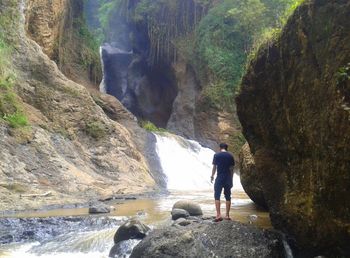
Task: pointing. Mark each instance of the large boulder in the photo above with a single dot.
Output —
(179, 213)
(294, 109)
(191, 207)
(224, 239)
(132, 229)
(127, 236)
(249, 177)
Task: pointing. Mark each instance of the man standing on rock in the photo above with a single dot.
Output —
(223, 163)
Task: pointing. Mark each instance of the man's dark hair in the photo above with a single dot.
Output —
(223, 146)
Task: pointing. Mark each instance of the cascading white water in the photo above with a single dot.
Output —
(187, 164)
(102, 84)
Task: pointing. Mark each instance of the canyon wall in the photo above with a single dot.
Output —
(146, 69)
(294, 109)
(70, 147)
(59, 27)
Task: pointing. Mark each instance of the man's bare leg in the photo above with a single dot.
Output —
(228, 207)
(217, 206)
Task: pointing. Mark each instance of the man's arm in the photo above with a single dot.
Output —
(231, 170)
(232, 166)
(213, 171)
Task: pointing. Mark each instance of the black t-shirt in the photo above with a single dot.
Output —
(223, 160)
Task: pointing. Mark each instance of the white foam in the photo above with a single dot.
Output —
(187, 164)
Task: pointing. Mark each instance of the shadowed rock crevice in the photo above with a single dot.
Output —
(148, 92)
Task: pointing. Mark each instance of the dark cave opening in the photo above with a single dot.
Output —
(148, 92)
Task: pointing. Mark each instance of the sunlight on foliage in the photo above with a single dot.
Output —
(16, 120)
(149, 126)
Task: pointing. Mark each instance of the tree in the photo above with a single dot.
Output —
(248, 14)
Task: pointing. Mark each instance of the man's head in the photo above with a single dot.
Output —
(223, 146)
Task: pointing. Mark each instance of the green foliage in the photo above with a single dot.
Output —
(100, 21)
(343, 74)
(7, 76)
(229, 35)
(10, 108)
(220, 53)
(89, 49)
(16, 120)
(105, 11)
(149, 126)
(291, 5)
(267, 37)
(248, 15)
(96, 129)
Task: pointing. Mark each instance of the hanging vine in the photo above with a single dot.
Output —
(166, 21)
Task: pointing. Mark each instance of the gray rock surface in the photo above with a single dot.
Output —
(132, 229)
(224, 239)
(191, 207)
(179, 213)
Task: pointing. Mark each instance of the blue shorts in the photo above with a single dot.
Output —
(219, 184)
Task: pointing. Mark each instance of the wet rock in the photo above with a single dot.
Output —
(132, 229)
(224, 239)
(249, 177)
(191, 207)
(123, 248)
(179, 213)
(99, 208)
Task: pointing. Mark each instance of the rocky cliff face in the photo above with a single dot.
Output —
(193, 118)
(295, 115)
(59, 27)
(45, 22)
(145, 71)
(71, 147)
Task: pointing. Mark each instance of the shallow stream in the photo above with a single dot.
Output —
(187, 167)
(97, 243)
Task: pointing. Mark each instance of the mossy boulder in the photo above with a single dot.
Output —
(249, 175)
(295, 116)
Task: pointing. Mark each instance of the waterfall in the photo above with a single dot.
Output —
(102, 84)
(186, 164)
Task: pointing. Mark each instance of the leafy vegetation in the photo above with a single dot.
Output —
(100, 21)
(149, 126)
(16, 120)
(11, 110)
(344, 74)
(90, 46)
(228, 36)
(96, 129)
(343, 84)
(216, 37)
